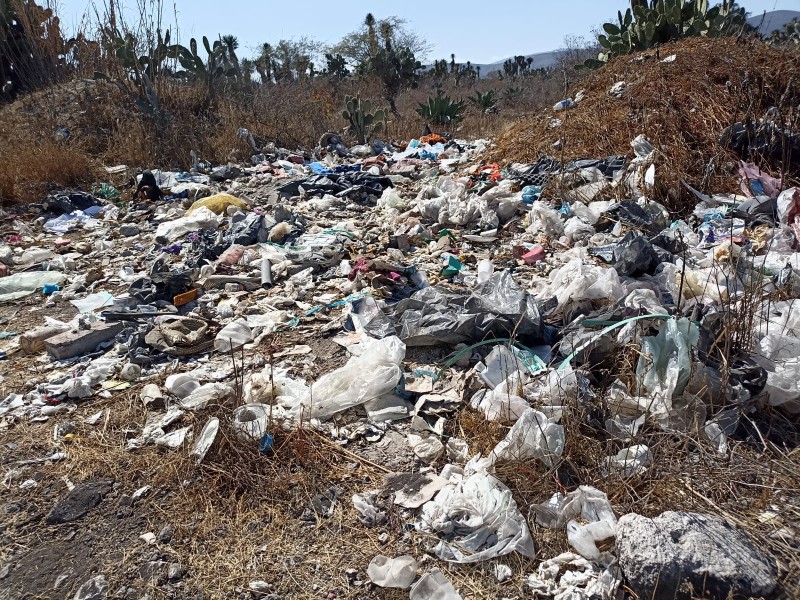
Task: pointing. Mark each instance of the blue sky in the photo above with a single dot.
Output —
(482, 32)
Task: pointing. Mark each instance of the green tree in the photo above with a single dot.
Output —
(359, 46)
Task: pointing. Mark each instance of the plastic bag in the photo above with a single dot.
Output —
(375, 372)
(202, 218)
(598, 521)
(665, 362)
(23, 284)
(233, 336)
(783, 386)
(576, 229)
(498, 308)
(434, 586)
(388, 572)
(545, 220)
(532, 436)
(630, 461)
(480, 520)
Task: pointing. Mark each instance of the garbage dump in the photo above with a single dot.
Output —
(442, 321)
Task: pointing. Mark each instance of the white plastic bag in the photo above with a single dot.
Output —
(532, 436)
(479, 518)
(388, 572)
(434, 586)
(598, 521)
(375, 372)
(201, 218)
(233, 336)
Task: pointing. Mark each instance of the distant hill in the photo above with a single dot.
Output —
(776, 19)
(766, 23)
(541, 60)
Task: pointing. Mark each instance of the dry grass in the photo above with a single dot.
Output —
(682, 107)
(107, 128)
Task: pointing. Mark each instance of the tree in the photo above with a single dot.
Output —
(336, 67)
(363, 44)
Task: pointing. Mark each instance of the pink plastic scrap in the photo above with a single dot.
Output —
(750, 172)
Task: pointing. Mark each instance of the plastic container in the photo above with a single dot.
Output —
(485, 270)
(251, 422)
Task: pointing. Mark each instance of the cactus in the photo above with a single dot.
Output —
(662, 21)
(363, 122)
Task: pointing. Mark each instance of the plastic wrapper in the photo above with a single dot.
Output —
(434, 586)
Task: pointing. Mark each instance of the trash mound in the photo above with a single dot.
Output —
(682, 97)
(275, 363)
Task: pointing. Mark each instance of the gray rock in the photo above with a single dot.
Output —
(153, 571)
(165, 536)
(175, 572)
(62, 579)
(79, 501)
(94, 589)
(128, 230)
(678, 553)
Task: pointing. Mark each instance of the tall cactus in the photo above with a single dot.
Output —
(363, 122)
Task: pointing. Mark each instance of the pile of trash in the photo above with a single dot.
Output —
(452, 286)
(671, 94)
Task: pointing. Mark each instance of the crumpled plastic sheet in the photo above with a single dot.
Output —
(576, 281)
(25, 283)
(598, 521)
(375, 372)
(497, 308)
(534, 435)
(572, 577)
(477, 519)
(448, 205)
(665, 362)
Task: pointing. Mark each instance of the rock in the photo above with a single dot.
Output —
(678, 553)
(175, 572)
(5, 571)
(62, 579)
(94, 589)
(152, 571)
(165, 536)
(128, 230)
(79, 501)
